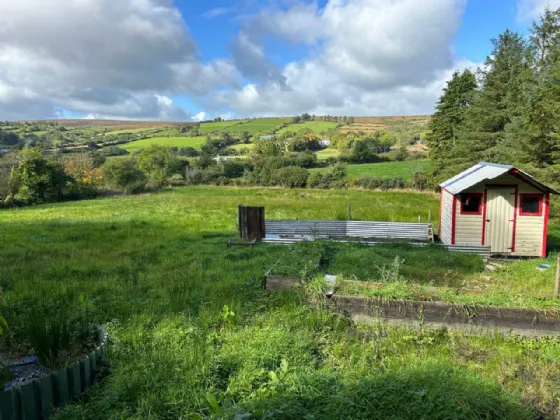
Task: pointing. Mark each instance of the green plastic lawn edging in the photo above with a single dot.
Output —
(39, 398)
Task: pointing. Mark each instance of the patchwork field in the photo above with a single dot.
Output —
(135, 146)
(259, 125)
(194, 335)
(317, 127)
(392, 124)
(403, 169)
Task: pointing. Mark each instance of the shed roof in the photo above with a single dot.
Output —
(484, 171)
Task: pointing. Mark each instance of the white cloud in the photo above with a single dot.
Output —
(528, 10)
(201, 116)
(102, 56)
(367, 57)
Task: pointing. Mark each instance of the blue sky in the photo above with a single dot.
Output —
(185, 60)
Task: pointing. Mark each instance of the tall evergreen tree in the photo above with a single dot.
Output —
(537, 129)
(449, 115)
(499, 100)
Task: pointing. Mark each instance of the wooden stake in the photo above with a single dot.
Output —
(349, 212)
(429, 216)
(557, 285)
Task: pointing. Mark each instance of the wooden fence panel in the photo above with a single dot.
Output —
(251, 222)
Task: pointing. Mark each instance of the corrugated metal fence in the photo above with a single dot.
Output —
(422, 232)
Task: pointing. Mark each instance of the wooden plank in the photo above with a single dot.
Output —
(281, 283)
(30, 402)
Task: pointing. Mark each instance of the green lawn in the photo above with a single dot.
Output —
(195, 142)
(384, 169)
(194, 335)
(317, 126)
(327, 153)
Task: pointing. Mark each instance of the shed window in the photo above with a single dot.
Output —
(471, 203)
(531, 205)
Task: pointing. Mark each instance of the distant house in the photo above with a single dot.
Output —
(266, 137)
(4, 150)
(325, 142)
(498, 206)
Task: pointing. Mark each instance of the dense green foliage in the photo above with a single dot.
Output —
(194, 335)
(36, 179)
(124, 175)
(513, 115)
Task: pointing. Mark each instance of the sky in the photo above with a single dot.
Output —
(186, 60)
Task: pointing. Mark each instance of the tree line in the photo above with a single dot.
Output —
(506, 112)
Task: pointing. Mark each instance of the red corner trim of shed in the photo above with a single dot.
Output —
(545, 230)
(484, 217)
(515, 173)
(453, 220)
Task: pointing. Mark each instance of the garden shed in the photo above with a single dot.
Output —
(498, 206)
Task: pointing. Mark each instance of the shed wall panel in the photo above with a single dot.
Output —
(446, 217)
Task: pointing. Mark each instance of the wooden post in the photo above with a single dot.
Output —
(429, 216)
(349, 212)
(251, 222)
(557, 285)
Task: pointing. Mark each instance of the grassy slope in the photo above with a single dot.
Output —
(384, 169)
(195, 142)
(259, 125)
(154, 269)
(316, 126)
(214, 126)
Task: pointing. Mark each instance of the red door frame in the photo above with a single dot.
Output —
(515, 209)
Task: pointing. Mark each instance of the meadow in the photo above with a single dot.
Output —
(194, 335)
(216, 126)
(261, 125)
(404, 169)
(317, 127)
(195, 142)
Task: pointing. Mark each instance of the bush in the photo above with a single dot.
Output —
(291, 177)
(124, 175)
(159, 163)
(335, 178)
(36, 179)
(112, 151)
(382, 183)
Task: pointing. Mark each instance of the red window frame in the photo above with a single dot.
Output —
(480, 203)
(539, 212)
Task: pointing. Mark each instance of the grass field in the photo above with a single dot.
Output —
(403, 169)
(317, 126)
(257, 126)
(216, 126)
(327, 153)
(135, 146)
(194, 336)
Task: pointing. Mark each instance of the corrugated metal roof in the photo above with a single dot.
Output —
(484, 171)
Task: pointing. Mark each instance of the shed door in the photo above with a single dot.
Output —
(500, 213)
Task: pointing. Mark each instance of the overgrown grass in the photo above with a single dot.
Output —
(195, 336)
(403, 169)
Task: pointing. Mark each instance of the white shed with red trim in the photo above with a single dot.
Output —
(498, 206)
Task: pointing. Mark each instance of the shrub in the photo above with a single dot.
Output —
(291, 177)
(124, 175)
(88, 177)
(335, 178)
(382, 183)
(36, 179)
(158, 162)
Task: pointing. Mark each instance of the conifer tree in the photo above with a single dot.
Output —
(449, 116)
